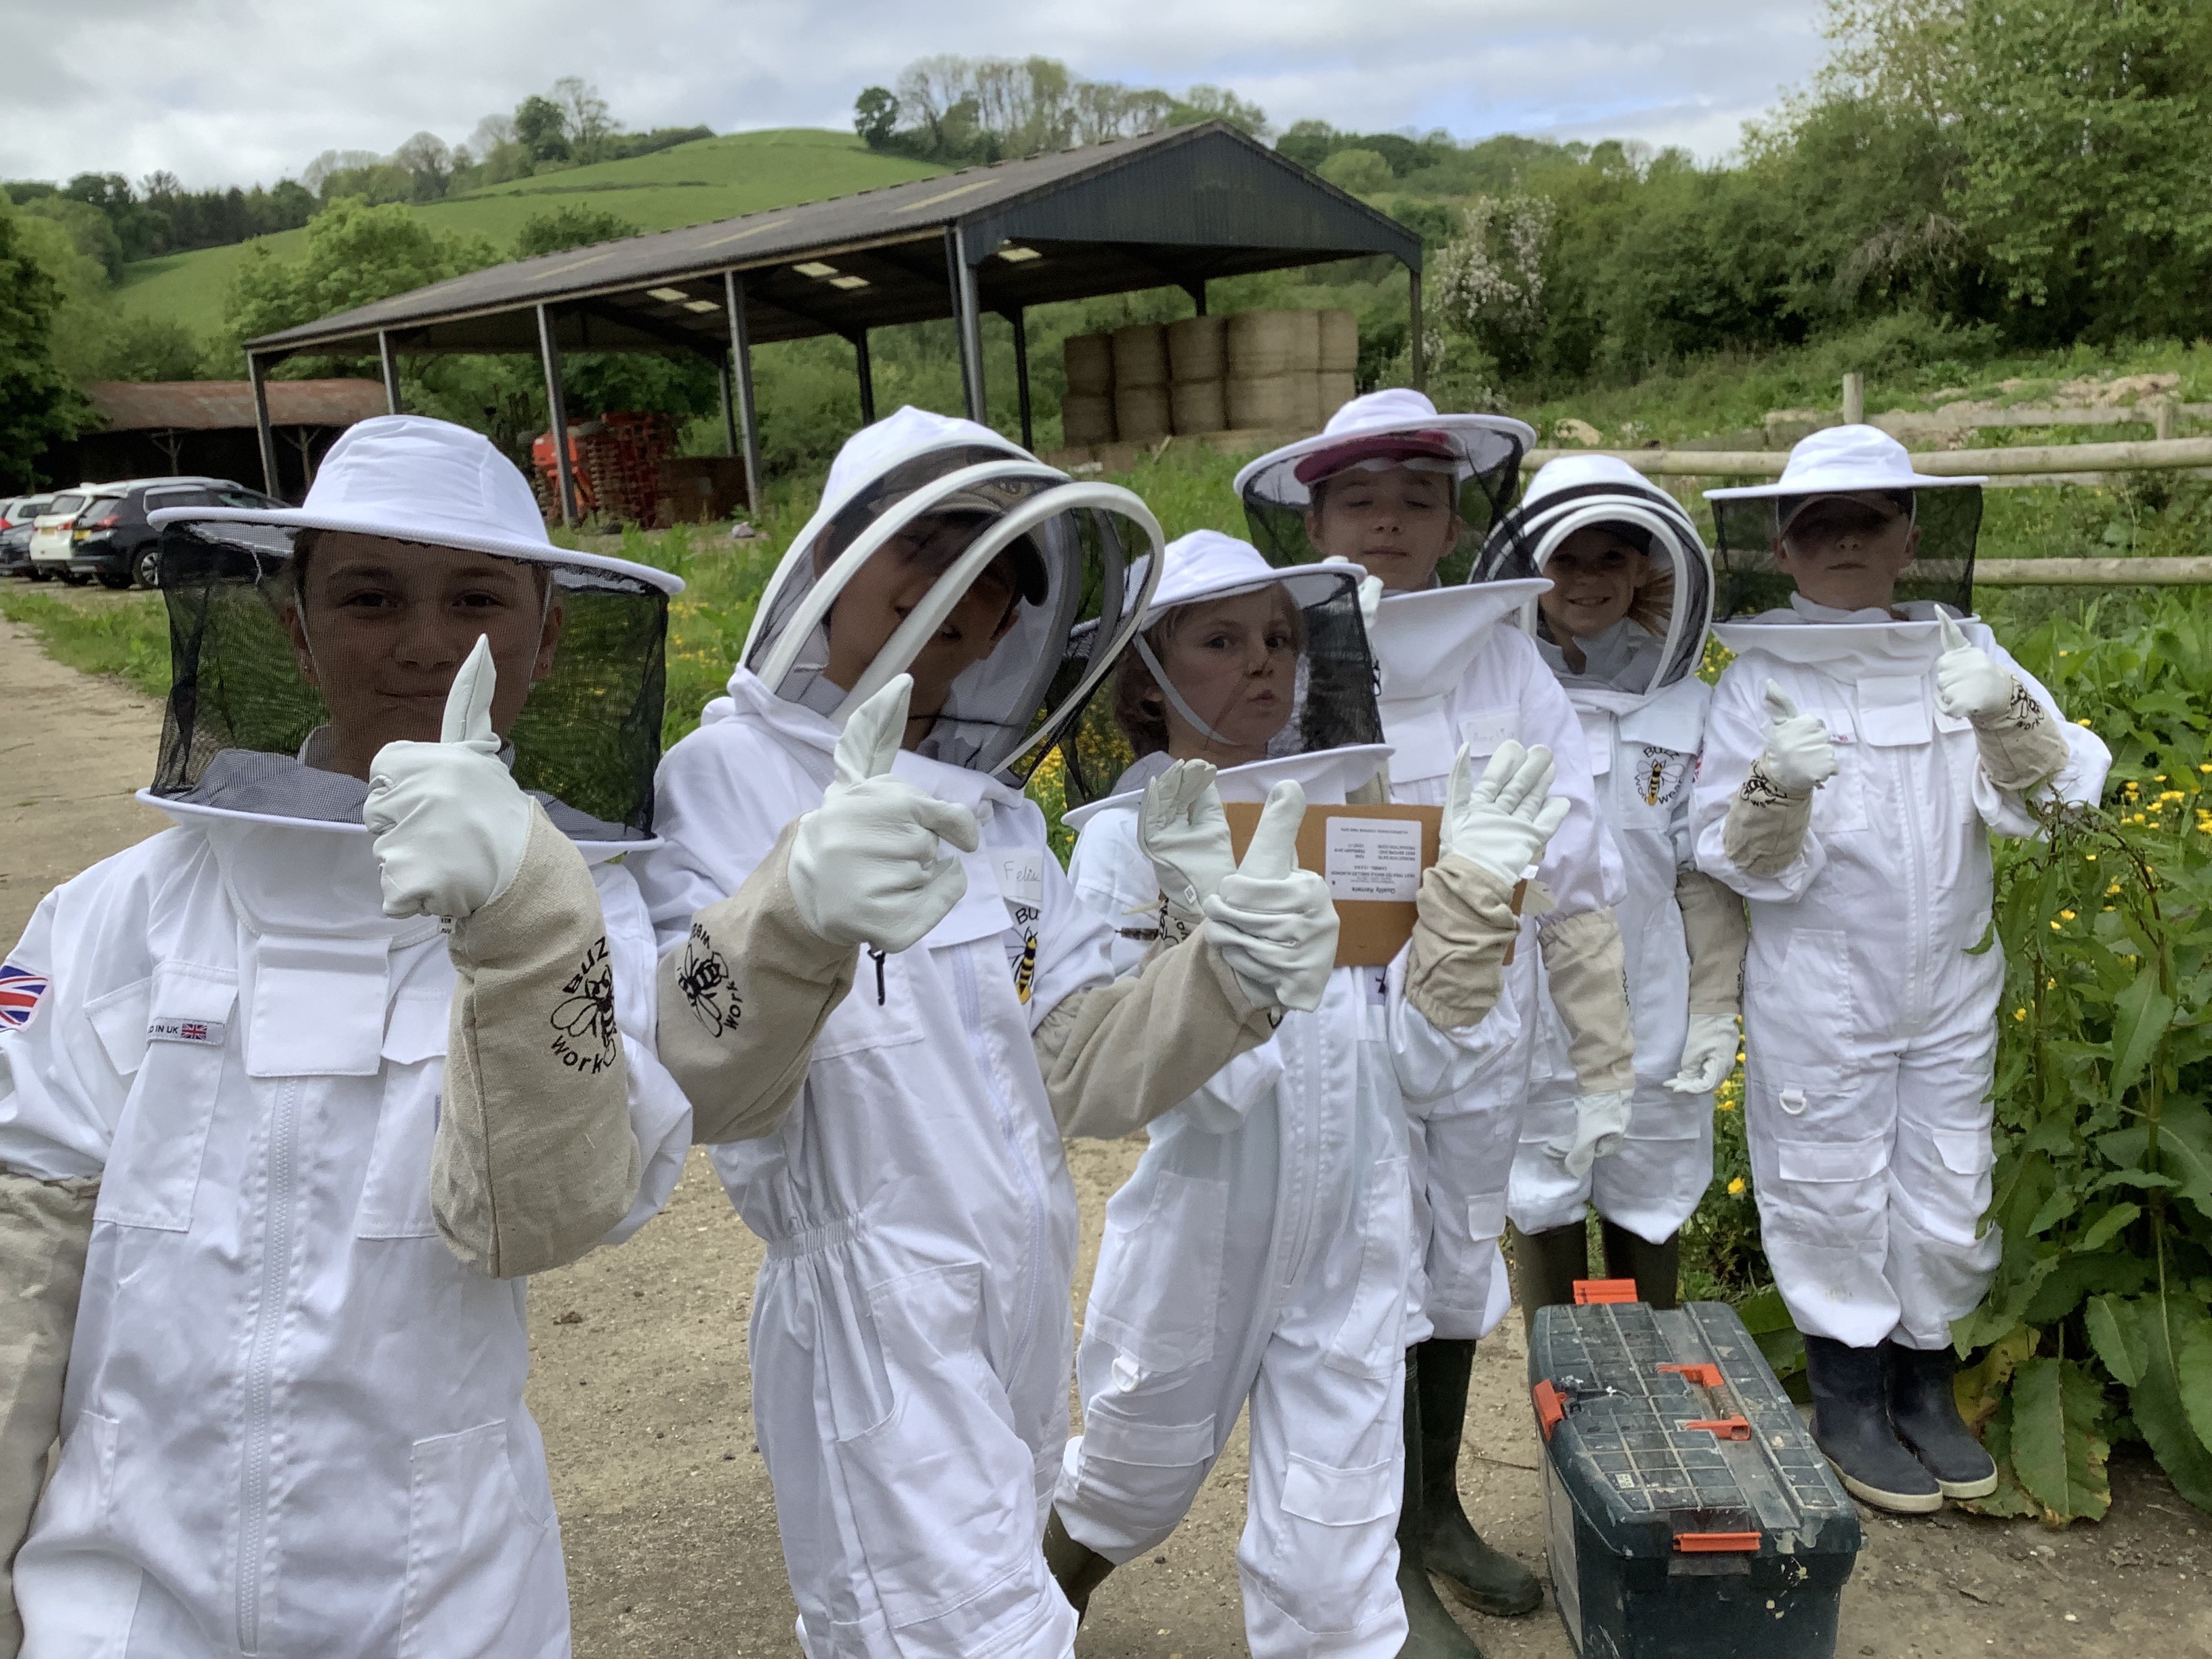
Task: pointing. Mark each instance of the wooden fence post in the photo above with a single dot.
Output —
(1854, 399)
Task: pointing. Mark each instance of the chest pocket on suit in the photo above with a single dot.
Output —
(180, 1051)
(395, 1197)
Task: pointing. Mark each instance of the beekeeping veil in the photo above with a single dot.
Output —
(1845, 462)
(246, 729)
(1236, 655)
(1073, 556)
(1480, 454)
(1661, 640)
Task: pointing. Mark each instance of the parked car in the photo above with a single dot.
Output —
(18, 517)
(107, 536)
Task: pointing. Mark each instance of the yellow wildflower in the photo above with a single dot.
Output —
(2066, 916)
(2020, 1013)
(1735, 1187)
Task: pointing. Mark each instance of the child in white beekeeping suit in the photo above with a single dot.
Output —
(924, 639)
(1623, 626)
(1410, 494)
(1861, 748)
(1257, 1256)
(315, 1076)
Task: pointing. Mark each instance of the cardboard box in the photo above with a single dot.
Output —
(1372, 858)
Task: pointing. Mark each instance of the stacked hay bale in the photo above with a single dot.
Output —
(1274, 367)
(1198, 363)
(1141, 382)
(1087, 413)
(1339, 361)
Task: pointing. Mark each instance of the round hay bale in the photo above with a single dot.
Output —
(1340, 343)
(1090, 360)
(1140, 356)
(1336, 391)
(1267, 402)
(1084, 419)
(1141, 414)
(1198, 348)
(1307, 386)
(1263, 343)
(1198, 406)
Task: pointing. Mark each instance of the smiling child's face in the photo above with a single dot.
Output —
(1595, 575)
(1397, 522)
(1847, 551)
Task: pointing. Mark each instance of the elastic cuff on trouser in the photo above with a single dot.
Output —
(1273, 1630)
(1121, 1509)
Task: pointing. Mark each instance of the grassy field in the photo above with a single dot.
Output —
(691, 183)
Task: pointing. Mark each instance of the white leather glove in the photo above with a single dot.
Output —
(1969, 685)
(448, 823)
(865, 868)
(1182, 828)
(1799, 758)
(1708, 1054)
(1503, 822)
(1273, 923)
(1601, 1124)
(1370, 601)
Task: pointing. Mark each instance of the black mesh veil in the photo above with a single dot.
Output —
(1327, 697)
(1746, 528)
(586, 742)
(1276, 506)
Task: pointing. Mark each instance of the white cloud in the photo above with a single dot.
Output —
(236, 91)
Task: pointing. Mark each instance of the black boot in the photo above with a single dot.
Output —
(1431, 1631)
(1656, 1268)
(1078, 1567)
(1925, 1412)
(1852, 1426)
(1486, 1579)
(1545, 1267)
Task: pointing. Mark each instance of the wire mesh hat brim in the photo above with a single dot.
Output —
(1749, 583)
(588, 738)
(1332, 700)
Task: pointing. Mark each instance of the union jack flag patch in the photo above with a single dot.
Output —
(20, 991)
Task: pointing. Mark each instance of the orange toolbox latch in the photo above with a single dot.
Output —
(1551, 1409)
(1593, 1292)
(1723, 1428)
(1716, 1543)
(1703, 1375)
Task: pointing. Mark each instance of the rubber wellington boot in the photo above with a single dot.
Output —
(1431, 1631)
(1545, 1267)
(1078, 1568)
(1656, 1268)
(1852, 1426)
(1488, 1580)
(1925, 1412)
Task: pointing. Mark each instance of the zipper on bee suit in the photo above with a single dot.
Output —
(971, 1017)
(1300, 1080)
(280, 1167)
(1916, 882)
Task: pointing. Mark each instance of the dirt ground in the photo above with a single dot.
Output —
(640, 1387)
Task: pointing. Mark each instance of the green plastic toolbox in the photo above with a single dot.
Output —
(1687, 1511)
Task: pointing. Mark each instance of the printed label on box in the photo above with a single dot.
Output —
(1376, 860)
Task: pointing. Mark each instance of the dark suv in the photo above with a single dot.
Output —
(112, 539)
(19, 516)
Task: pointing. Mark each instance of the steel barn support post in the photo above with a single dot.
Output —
(967, 323)
(557, 413)
(867, 374)
(729, 409)
(1020, 321)
(389, 361)
(741, 356)
(258, 376)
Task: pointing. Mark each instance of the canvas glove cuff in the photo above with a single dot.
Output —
(2020, 745)
(1764, 830)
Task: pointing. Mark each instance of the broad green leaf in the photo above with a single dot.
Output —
(2156, 1405)
(2008, 1501)
(2193, 1367)
(2100, 1231)
(2140, 1014)
(1764, 1310)
(2107, 1272)
(2184, 1150)
(2055, 1208)
(2056, 1451)
(2113, 1333)
(1980, 1387)
(2125, 1147)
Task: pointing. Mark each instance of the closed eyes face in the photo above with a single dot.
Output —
(1397, 522)
(1234, 661)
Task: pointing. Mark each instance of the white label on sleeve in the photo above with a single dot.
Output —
(1373, 859)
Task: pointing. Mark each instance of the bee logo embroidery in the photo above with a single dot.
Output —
(1663, 775)
(584, 1033)
(1655, 781)
(1025, 969)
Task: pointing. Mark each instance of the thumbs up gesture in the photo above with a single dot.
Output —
(1969, 685)
(865, 867)
(448, 823)
(1182, 828)
(1271, 921)
(1799, 758)
(1505, 821)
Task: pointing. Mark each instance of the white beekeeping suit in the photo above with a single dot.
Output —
(1858, 758)
(910, 1339)
(1258, 1253)
(1411, 492)
(1623, 626)
(304, 1137)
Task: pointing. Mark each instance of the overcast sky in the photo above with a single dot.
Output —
(240, 91)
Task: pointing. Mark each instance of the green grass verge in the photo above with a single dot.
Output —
(124, 634)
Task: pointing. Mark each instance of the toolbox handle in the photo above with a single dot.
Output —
(1723, 1428)
(1596, 1292)
(1704, 1375)
(1716, 1543)
(1551, 1409)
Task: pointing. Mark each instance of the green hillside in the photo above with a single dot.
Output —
(692, 183)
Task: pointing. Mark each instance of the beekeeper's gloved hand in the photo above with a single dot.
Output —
(1708, 1054)
(446, 820)
(1799, 758)
(1271, 922)
(1601, 1124)
(865, 864)
(1505, 820)
(1182, 828)
(1969, 685)
(1370, 601)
